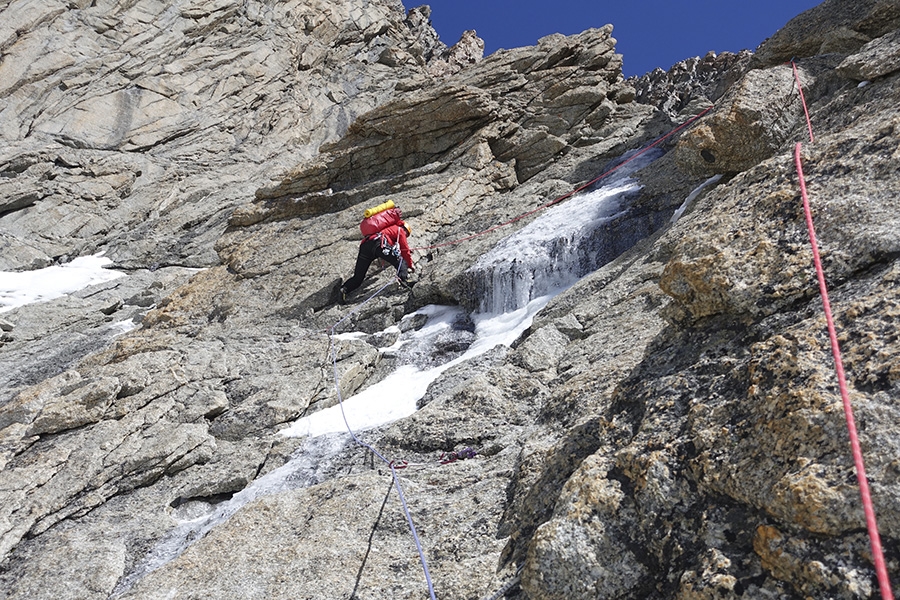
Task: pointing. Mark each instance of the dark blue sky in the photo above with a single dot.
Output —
(650, 33)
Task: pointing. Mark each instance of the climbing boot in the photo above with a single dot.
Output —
(339, 293)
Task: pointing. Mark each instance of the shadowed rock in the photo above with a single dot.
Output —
(668, 427)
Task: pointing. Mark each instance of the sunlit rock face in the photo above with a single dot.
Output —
(667, 426)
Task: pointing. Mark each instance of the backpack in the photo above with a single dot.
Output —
(370, 226)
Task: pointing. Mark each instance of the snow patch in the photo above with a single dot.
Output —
(396, 395)
(18, 288)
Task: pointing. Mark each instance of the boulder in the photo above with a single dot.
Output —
(718, 275)
(579, 545)
(755, 119)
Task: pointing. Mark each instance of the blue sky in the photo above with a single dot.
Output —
(650, 33)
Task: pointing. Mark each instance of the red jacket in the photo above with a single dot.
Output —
(391, 234)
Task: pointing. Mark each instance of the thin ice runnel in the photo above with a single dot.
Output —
(327, 434)
(562, 245)
(693, 196)
(395, 396)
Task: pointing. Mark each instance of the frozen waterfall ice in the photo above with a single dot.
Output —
(565, 243)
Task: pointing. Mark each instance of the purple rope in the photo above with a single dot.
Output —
(358, 308)
(390, 464)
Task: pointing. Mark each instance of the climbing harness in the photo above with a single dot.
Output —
(884, 582)
(384, 245)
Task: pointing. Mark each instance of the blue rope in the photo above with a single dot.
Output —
(390, 464)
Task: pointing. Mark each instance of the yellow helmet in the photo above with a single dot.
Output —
(408, 228)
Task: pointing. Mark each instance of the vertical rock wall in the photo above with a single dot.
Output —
(667, 428)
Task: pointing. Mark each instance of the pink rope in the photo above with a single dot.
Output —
(812, 140)
(871, 524)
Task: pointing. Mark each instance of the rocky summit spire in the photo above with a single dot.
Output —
(612, 377)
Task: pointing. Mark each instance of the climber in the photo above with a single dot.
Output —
(384, 237)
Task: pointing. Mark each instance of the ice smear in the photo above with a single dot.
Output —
(18, 288)
(307, 467)
(123, 327)
(564, 244)
(693, 196)
(353, 335)
(391, 399)
(396, 395)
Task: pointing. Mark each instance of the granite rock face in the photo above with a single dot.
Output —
(142, 126)
(668, 427)
(878, 58)
(832, 27)
(697, 81)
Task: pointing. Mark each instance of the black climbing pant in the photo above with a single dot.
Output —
(370, 250)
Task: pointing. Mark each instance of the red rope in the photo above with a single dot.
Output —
(884, 582)
(871, 524)
(812, 140)
(571, 193)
